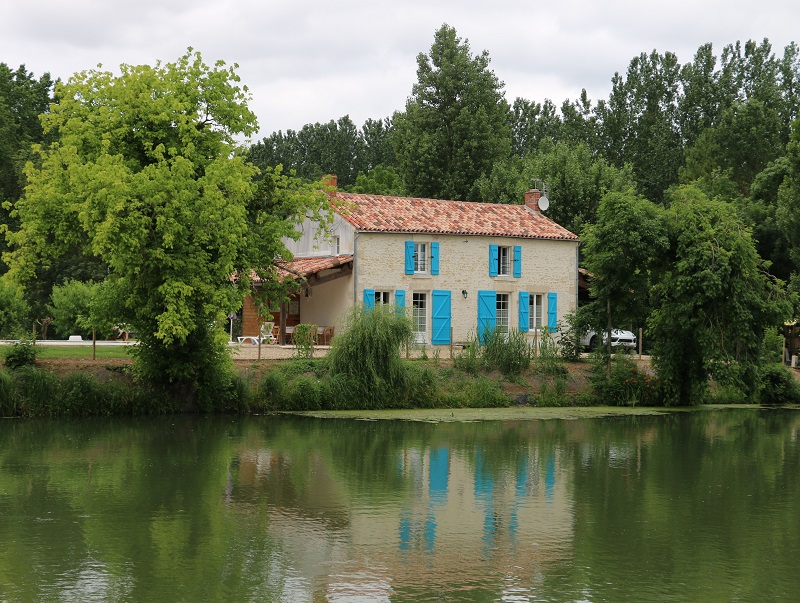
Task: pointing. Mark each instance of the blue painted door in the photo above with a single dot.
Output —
(524, 311)
(441, 317)
(487, 312)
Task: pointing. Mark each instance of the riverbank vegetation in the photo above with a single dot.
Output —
(366, 370)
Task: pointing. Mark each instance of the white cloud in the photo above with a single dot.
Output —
(312, 61)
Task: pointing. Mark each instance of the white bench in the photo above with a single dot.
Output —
(75, 338)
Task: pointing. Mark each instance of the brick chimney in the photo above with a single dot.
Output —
(532, 200)
(330, 180)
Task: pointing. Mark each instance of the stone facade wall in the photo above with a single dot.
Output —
(547, 266)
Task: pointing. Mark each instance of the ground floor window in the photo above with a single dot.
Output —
(535, 311)
(502, 312)
(420, 317)
(382, 297)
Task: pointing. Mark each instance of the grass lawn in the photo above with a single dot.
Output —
(80, 351)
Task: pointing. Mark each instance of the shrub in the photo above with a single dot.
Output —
(21, 354)
(8, 395)
(507, 352)
(468, 359)
(304, 393)
(570, 331)
(368, 351)
(305, 336)
(627, 385)
(772, 346)
(482, 392)
(420, 389)
(778, 385)
(38, 392)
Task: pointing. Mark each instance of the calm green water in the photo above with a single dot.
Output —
(693, 506)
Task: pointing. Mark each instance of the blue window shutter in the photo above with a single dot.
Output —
(434, 258)
(493, 260)
(524, 310)
(369, 299)
(441, 318)
(400, 298)
(552, 311)
(517, 261)
(409, 257)
(487, 312)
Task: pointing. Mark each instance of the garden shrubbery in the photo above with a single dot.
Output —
(778, 385)
(32, 392)
(627, 385)
(21, 354)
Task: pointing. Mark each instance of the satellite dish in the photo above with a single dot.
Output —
(544, 203)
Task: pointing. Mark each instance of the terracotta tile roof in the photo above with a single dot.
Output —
(376, 213)
(305, 267)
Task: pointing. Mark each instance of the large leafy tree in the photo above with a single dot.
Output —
(641, 122)
(22, 99)
(576, 181)
(532, 124)
(619, 250)
(713, 300)
(455, 125)
(146, 174)
(336, 147)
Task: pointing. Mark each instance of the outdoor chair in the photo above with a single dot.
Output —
(267, 333)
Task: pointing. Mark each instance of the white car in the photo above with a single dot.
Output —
(619, 339)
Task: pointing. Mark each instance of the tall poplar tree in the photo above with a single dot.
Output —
(455, 125)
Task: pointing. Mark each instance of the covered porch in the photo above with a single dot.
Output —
(323, 295)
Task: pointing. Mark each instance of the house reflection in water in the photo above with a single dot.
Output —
(463, 517)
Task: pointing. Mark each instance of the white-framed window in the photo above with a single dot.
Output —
(503, 261)
(502, 312)
(382, 297)
(420, 258)
(419, 317)
(535, 311)
(335, 246)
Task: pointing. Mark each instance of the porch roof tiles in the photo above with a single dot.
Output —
(305, 267)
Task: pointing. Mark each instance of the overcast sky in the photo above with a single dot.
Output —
(309, 61)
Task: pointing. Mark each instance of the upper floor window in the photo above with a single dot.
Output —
(503, 261)
(420, 257)
(335, 246)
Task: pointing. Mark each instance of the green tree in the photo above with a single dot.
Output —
(336, 147)
(455, 125)
(22, 99)
(713, 300)
(72, 308)
(576, 181)
(13, 310)
(532, 124)
(378, 150)
(641, 123)
(380, 180)
(619, 250)
(145, 173)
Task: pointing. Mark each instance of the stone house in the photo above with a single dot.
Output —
(457, 267)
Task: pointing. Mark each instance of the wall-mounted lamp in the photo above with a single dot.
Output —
(464, 293)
